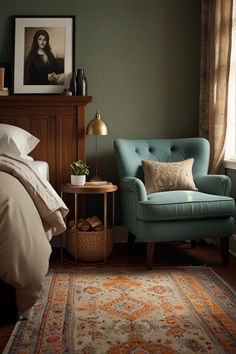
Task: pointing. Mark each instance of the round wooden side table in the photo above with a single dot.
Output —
(88, 190)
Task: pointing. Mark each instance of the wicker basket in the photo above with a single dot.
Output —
(89, 244)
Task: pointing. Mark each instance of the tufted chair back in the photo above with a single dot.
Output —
(130, 153)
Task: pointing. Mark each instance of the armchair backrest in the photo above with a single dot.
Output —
(130, 152)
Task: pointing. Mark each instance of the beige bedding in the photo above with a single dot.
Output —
(31, 213)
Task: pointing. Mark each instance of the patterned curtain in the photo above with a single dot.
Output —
(216, 29)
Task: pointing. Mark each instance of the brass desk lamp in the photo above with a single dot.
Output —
(96, 127)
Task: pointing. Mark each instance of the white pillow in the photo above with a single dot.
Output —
(16, 140)
(26, 157)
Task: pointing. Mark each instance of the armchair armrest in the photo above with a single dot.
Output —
(135, 186)
(214, 184)
(133, 191)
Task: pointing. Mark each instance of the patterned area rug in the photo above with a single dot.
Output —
(117, 310)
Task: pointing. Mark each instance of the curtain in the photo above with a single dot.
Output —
(216, 29)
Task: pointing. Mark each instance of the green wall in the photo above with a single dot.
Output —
(141, 58)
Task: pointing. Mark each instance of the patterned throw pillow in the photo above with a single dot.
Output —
(167, 176)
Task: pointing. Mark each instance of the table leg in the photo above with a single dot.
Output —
(62, 236)
(113, 219)
(113, 210)
(105, 227)
(76, 218)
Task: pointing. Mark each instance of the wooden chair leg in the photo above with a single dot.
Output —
(150, 253)
(224, 246)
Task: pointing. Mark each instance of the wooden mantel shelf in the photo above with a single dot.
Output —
(57, 121)
(45, 99)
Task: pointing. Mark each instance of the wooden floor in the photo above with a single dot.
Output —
(166, 254)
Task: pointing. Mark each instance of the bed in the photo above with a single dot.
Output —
(31, 214)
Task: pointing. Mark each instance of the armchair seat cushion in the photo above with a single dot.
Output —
(182, 205)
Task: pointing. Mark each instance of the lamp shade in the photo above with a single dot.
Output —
(97, 126)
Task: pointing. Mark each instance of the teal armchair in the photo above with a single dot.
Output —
(173, 215)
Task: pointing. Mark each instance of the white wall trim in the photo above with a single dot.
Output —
(230, 163)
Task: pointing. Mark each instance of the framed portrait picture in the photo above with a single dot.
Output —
(43, 54)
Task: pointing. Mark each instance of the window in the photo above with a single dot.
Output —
(230, 148)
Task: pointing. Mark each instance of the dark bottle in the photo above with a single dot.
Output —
(82, 86)
(73, 84)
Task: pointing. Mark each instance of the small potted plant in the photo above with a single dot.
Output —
(78, 170)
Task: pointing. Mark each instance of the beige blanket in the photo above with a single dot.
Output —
(49, 205)
(29, 207)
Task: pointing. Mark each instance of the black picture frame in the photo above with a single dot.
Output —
(46, 69)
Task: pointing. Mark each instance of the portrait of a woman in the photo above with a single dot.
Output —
(41, 66)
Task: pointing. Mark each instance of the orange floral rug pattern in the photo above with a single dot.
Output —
(116, 310)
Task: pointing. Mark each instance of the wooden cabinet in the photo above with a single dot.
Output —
(59, 123)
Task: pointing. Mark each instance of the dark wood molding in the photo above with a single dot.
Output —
(50, 100)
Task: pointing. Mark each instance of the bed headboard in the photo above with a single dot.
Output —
(59, 123)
